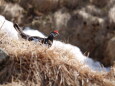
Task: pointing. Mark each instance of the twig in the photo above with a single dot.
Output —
(2, 24)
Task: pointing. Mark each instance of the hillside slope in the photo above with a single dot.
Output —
(33, 64)
(87, 24)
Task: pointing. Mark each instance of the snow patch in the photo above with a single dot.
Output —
(8, 27)
(79, 56)
(31, 32)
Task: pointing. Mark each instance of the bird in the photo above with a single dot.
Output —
(47, 41)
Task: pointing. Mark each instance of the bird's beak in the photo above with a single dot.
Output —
(58, 34)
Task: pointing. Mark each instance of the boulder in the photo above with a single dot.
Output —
(3, 59)
(3, 55)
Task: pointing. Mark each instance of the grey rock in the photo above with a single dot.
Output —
(3, 55)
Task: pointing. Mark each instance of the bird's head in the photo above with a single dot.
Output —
(55, 33)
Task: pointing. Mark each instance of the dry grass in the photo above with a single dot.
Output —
(31, 64)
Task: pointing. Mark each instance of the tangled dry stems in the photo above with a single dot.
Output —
(32, 64)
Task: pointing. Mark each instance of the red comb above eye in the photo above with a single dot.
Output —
(55, 31)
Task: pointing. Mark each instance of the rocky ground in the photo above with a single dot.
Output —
(88, 24)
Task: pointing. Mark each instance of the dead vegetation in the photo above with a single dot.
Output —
(31, 64)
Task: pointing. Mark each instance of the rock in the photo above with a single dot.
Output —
(3, 55)
(3, 59)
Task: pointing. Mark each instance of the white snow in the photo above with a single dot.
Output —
(31, 32)
(79, 56)
(7, 26)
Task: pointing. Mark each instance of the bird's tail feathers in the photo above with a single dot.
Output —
(18, 29)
